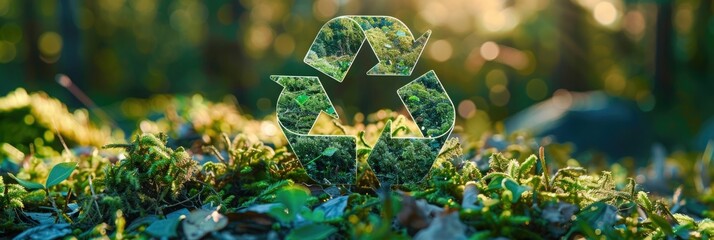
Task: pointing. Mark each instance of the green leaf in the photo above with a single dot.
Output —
(644, 201)
(512, 168)
(313, 231)
(294, 198)
(280, 212)
(301, 99)
(496, 182)
(27, 184)
(527, 165)
(662, 224)
(514, 187)
(330, 110)
(328, 152)
(414, 99)
(59, 173)
(597, 216)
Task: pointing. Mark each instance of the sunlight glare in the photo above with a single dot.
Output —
(605, 13)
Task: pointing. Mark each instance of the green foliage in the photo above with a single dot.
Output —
(428, 105)
(393, 43)
(401, 160)
(11, 200)
(150, 176)
(59, 173)
(509, 193)
(251, 173)
(302, 99)
(37, 119)
(292, 200)
(337, 41)
(330, 159)
(291, 203)
(28, 184)
(312, 232)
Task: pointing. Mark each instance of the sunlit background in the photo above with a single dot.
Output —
(508, 64)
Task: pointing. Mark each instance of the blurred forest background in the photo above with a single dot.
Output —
(651, 60)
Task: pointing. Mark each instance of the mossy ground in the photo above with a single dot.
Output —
(231, 176)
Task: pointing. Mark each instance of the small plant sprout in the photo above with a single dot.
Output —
(59, 173)
(328, 152)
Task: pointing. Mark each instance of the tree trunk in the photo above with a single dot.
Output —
(573, 69)
(664, 84)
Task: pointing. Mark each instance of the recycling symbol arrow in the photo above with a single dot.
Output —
(333, 158)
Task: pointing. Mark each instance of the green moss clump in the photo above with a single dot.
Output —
(247, 174)
(401, 160)
(11, 196)
(328, 159)
(152, 177)
(488, 193)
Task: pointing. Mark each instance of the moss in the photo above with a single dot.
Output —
(328, 159)
(246, 175)
(402, 160)
(152, 177)
(11, 202)
(428, 104)
(514, 192)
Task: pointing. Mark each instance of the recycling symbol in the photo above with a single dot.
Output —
(332, 159)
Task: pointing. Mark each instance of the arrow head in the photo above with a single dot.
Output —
(401, 64)
(277, 79)
(420, 42)
(429, 105)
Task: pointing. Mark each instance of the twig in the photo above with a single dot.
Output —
(54, 205)
(64, 144)
(67, 83)
(94, 197)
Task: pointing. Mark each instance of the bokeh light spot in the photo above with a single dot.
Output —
(261, 36)
(284, 44)
(7, 52)
(494, 20)
(615, 83)
(489, 50)
(634, 24)
(499, 95)
(50, 44)
(441, 50)
(324, 9)
(605, 13)
(536, 89)
(28, 119)
(495, 78)
(467, 109)
(434, 13)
